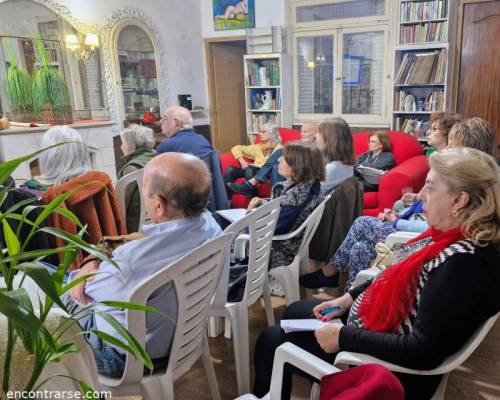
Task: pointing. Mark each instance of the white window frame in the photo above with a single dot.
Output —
(337, 28)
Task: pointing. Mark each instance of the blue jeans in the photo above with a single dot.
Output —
(269, 171)
(108, 360)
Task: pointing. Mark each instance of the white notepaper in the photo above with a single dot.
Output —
(300, 325)
(233, 214)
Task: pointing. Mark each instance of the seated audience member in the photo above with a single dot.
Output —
(415, 313)
(177, 126)
(437, 139)
(357, 250)
(61, 163)
(176, 189)
(302, 166)
(473, 132)
(264, 156)
(334, 139)
(378, 156)
(137, 148)
(269, 171)
(437, 134)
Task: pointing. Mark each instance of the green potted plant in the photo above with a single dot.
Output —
(49, 89)
(17, 87)
(24, 326)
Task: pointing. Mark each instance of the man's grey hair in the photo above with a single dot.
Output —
(273, 130)
(138, 136)
(62, 163)
(181, 114)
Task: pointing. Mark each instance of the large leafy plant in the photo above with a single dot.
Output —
(17, 83)
(26, 322)
(49, 87)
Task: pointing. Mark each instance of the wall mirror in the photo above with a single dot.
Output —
(75, 55)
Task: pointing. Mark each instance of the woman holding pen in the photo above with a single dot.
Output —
(425, 307)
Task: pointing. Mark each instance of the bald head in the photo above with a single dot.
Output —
(180, 180)
(176, 119)
(308, 131)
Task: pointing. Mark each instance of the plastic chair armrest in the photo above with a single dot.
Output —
(351, 358)
(289, 353)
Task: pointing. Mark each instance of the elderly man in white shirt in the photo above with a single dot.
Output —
(176, 189)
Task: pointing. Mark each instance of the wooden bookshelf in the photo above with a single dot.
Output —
(422, 63)
(265, 75)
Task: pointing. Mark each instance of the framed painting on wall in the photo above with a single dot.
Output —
(233, 14)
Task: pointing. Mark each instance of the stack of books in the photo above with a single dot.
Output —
(422, 68)
(422, 33)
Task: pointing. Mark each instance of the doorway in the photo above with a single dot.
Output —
(478, 93)
(226, 91)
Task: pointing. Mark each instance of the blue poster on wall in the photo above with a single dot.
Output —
(233, 14)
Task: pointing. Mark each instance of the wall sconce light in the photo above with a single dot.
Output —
(82, 50)
(311, 65)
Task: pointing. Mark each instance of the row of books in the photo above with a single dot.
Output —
(264, 73)
(415, 127)
(421, 33)
(423, 10)
(433, 101)
(256, 122)
(422, 68)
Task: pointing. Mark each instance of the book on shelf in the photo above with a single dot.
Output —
(264, 73)
(424, 32)
(415, 127)
(423, 10)
(257, 121)
(422, 68)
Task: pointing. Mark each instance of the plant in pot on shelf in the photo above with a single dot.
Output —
(17, 86)
(35, 335)
(49, 89)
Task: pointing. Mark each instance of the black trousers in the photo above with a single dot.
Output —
(271, 338)
(417, 387)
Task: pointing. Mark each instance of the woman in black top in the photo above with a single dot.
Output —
(378, 156)
(425, 307)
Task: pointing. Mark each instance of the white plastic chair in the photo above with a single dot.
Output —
(134, 178)
(296, 356)
(195, 278)
(448, 365)
(260, 223)
(400, 237)
(34, 291)
(288, 275)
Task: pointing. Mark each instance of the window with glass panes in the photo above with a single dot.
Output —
(341, 60)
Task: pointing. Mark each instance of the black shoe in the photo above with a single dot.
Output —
(317, 279)
(243, 188)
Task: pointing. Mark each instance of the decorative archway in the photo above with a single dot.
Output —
(111, 31)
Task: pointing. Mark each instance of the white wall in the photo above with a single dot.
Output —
(267, 13)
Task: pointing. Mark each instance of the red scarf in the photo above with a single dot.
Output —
(388, 301)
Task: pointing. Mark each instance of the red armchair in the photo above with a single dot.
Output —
(263, 189)
(410, 170)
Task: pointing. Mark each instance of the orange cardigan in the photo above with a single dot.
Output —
(96, 205)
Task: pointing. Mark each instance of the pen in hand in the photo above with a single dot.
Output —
(330, 309)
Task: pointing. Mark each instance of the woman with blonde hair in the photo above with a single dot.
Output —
(424, 308)
(472, 132)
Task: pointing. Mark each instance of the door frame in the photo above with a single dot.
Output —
(209, 44)
(455, 81)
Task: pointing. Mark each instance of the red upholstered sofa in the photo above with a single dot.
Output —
(263, 189)
(410, 170)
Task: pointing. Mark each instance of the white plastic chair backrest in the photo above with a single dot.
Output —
(259, 225)
(136, 178)
(194, 277)
(309, 226)
(459, 357)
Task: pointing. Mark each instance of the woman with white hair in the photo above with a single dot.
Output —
(268, 146)
(61, 163)
(137, 148)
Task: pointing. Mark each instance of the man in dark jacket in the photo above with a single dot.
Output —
(177, 125)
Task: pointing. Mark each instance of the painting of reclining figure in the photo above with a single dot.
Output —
(233, 14)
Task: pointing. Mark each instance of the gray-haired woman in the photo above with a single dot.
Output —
(137, 148)
(61, 163)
